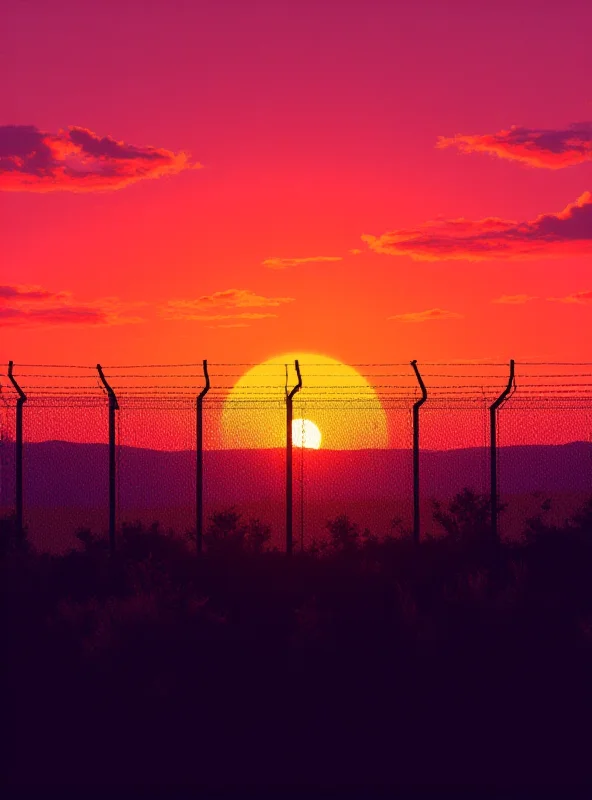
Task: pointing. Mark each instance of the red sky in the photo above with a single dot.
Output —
(313, 124)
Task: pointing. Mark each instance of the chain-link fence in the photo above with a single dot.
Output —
(545, 446)
(352, 447)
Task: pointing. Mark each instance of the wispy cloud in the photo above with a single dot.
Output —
(243, 315)
(189, 314)
(231, 325)
(201, 309)
(565, 233)
(284, 263)
(514, 299)
(537, 147)
(426, 316)
(78, 160)
(230, 298)
(31, 306)
(23, 293)
(582, 298)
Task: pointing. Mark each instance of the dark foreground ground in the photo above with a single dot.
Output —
(456, 665)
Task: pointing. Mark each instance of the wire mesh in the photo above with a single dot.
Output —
(64, 469)
(7, 452)
(368, 479)
(240, 478)
(454, 453)
(64, 455)
(454, 434)
(352, 453)
(156, 462)
(544, 444)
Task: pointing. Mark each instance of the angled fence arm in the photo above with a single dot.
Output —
(416, 407)
(199, 511)
(289, 418)
(22, 399)
(493, 409)
(113, 407)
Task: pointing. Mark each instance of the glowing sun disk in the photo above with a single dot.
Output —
(342, 402)
(306, 434)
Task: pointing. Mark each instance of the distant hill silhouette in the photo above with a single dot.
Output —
(66, 473)
(66, 483)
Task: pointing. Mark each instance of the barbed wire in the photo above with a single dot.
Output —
(330, 383)
(267, 365)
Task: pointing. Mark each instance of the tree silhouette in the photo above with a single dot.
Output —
(345, 535)
(467, 517)
(227, 533)
(13, 540)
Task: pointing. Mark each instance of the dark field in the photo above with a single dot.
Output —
(460, 664)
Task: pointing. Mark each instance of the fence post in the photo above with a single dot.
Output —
(199, 462)
(416, 407)
(22, 399)
(493, 450)
(113, 407)
(289, 418)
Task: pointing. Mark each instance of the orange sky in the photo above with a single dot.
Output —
(312, 128)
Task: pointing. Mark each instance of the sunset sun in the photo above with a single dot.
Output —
(336, 409)
(306, 434)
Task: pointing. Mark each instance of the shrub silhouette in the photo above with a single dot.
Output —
(228, 534)
(344, 535)
(12, 540)
(467, 517)
(166, 667)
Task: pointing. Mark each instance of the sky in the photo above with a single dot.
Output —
(374, 181)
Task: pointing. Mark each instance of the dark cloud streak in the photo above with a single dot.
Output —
(537, 147)
(78, 160)
(564, 233)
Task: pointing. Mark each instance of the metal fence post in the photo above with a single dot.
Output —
(289, 418)
(113, 407)
(416, 407)
(493, 409)
(22, 399)
(199, 516)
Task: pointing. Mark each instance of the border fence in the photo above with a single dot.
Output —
(290, 445)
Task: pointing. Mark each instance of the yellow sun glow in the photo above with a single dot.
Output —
(306, 434)
(343, 404)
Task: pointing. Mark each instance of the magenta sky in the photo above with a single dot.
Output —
(171, 148)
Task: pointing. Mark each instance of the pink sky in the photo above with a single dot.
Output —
(313, 124)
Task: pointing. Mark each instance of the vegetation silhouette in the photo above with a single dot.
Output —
(227, 534)
(366, 662)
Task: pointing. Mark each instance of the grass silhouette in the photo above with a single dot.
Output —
(462, 662)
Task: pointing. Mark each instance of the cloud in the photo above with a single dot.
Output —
(537, 147)
(355, 251)
(29, 293)
(284, 263)
(426, 316)
(189, 314)
(193, 310)
(230, 298)
(58, 315)
(78, 160)
(31, 306)
(231, 325)
(581, 298)
(565, 233)
(514, 299)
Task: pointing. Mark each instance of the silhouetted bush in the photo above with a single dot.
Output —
(467, 518)
(228, 534)
(12, 539)
(382, 663)
(345, 535)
